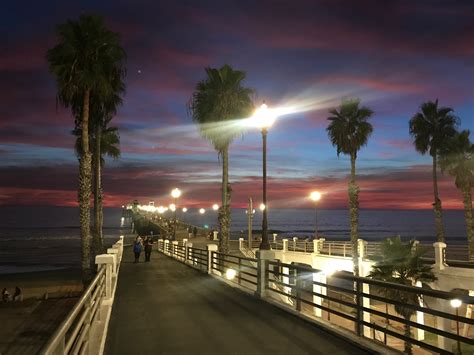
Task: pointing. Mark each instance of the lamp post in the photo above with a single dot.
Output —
(456, 303)
(175, 193)
(250, 212)
(315, 196)
(264, 119)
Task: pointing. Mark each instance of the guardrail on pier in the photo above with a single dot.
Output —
(454, 255)
(84, 329)
(363, 307)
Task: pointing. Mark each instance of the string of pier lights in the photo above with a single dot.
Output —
(172, 207)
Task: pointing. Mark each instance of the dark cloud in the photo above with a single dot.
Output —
(394, 55)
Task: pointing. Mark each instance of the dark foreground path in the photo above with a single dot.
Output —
(165, 307)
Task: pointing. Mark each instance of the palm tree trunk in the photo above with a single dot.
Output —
(85, 191)
(224, 212)
(467, 199)
(437, 205)
(97, 193)
(354, 214)
(407, 329)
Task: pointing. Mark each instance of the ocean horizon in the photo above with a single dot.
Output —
(47, 237)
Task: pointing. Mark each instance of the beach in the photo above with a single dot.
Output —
(48, 297)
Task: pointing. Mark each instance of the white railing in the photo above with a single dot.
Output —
(351, 306)
(84, 329)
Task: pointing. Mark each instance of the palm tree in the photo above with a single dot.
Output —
(84, 62)
(216, 102)
(430, 129)
(401, 263)
(349, 131)
(457, 158)
(108, 144)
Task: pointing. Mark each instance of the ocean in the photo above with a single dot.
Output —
(34, 238)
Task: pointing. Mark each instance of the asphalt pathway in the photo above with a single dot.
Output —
(166, 307)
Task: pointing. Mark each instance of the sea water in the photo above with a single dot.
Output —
(47, 237)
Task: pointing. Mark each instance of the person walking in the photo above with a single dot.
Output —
(148, 248)
(137, 249)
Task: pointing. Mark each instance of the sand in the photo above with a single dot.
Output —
(27, 325)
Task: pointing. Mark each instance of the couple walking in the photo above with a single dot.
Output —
(142, 244)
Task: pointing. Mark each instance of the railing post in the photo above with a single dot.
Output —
(114, 252)
(241, 243)
(262, 271)
(210, 249)
(321, 243)
(107, 261)
(174, 244)
(318, 290)
(187, 252)
(166, 246)
(285, 245)
(274, 237)
(440, 255)
(295, 240)
(299, 284)
(315, 246)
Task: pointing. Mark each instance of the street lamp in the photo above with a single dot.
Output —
(184, 209)
(262, 207)
(315, 196)
(264, 119)
(175, 193)
(456, 303)
(215, 207)
(202, 211)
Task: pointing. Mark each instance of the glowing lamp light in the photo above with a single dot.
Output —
(215, 207)
(172, 207)
(455, 303)
(185, 209)
(262, 207)
(315, 196)
(230, 274)
(263, 117)
(175, 193)
(161, 210)
(202, 211)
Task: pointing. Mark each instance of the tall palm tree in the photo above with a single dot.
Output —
(430, 129)
(349, 130)
(216, 103)
(457, 158)
(84, 62)
(401, 263)
(107, 144)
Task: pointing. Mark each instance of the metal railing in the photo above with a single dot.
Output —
(309, 292)
(73, 335)
(242, 271)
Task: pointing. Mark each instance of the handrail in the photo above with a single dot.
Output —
(58, 343)
(305, 289)
(302, 280)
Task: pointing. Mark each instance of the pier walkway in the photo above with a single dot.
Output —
(166, 307)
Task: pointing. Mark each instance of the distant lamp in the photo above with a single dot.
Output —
(161, 210)
(315, 196)
(185, 209)
(215, 207)
(262, 207)
(202, 211)
(172, 207)
(176, 193)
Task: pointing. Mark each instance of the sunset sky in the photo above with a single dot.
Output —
(394, 55)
